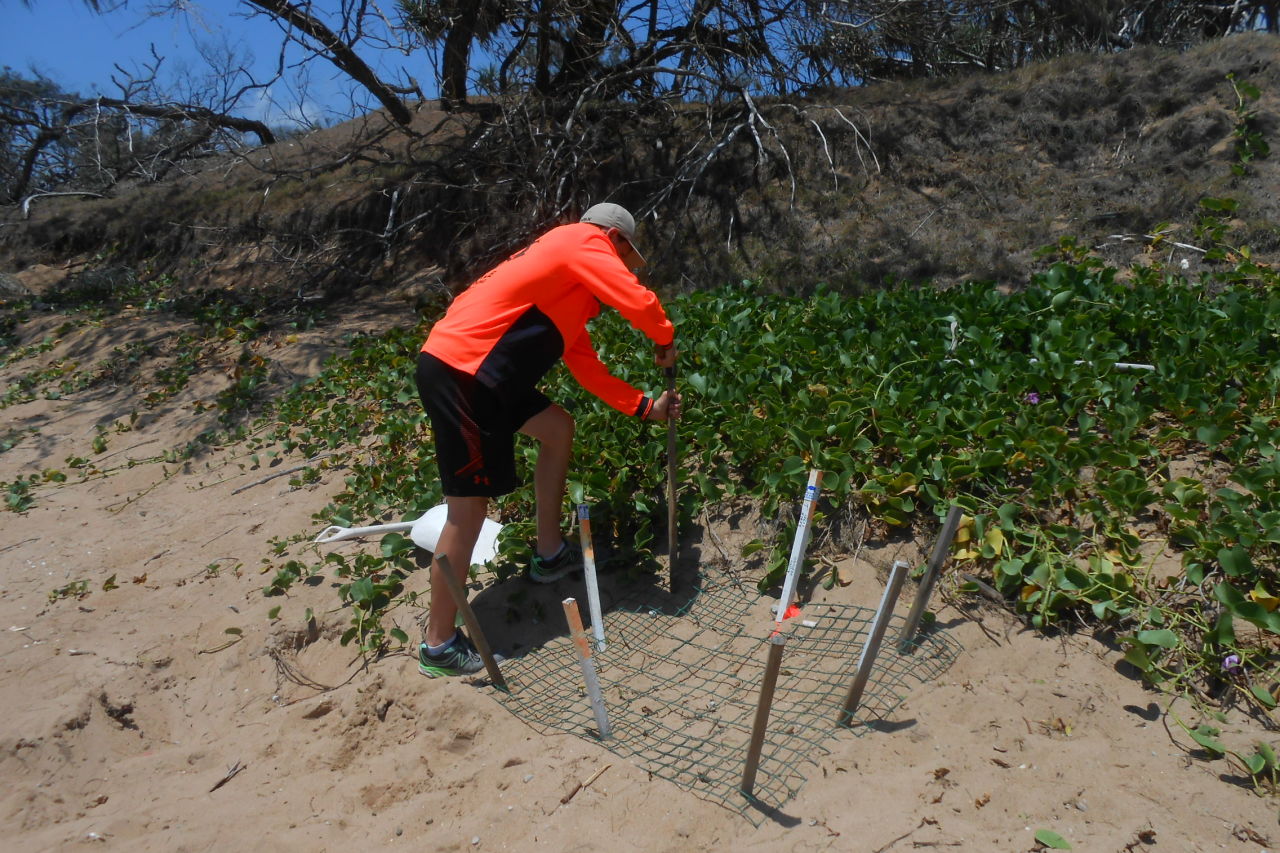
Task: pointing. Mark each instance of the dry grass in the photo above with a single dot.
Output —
(963, 179)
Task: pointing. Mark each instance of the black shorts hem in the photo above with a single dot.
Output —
(474, 427)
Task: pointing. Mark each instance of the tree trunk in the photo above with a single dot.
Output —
(582, 52)
(542, 70)
(457, 52)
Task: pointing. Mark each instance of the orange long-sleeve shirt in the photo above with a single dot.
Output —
(517, 320)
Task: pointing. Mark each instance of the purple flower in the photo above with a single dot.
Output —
(1231, 664)
(1032, 397)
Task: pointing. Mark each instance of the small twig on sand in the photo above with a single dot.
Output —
(986, 589)
(706, 518)
(127, 449)
(228, 644)
(231, 774)
(578, 787)
(296, 468)
(991, 635)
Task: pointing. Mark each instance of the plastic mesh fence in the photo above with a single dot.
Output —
(681, 686)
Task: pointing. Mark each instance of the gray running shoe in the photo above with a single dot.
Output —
(460, 658)
(550, 570)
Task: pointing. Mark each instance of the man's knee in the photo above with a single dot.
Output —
(553, 426)
(466, 513)
(569, 427)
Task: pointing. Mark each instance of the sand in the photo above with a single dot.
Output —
(131, 719)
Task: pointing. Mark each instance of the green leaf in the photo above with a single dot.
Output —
(1049, 838)
(792, 465)
(1138, 656)
(985, 429)
(1164, 638)
(1207, 736)
(1211, 434)
(1263, 695)
(1248, 610)
(1074, 579)
(1235, 561)
(110, 584)
(395, 544)
(362, 590)
(1256, 763)
(901, 482)
(698, 382)
(1224, 632)
(399, 635)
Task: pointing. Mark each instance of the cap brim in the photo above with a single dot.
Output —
(636, 252)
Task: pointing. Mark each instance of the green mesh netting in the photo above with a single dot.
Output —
(681, 684)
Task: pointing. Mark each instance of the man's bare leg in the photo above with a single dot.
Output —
(457, 541)
(553, 428)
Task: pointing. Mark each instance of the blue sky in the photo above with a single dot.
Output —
(78, 49)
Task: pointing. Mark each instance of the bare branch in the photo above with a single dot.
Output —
(339, 53)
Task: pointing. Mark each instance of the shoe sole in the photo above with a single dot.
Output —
(431, 671)
(552, 577)
(437, 671)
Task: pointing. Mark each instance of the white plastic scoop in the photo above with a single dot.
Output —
(425, 533)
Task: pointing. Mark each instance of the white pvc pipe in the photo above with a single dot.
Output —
(1119, 365)
(875, 635)
(588, 667)
(589, 572)
(797, 547)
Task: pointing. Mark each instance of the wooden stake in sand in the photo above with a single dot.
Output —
(767, 685)
(672, 452)
(797, 547)
(589, 572)
(469, 619)
(588, 666)
(934, 568)
(871, 648)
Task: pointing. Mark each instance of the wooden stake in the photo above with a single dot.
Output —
(588, 666)
(767, 685)
(459, 594)
(939, 556)
(671, 480)
(871, 648)
(589, 572)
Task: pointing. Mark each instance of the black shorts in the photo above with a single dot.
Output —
(475, 428)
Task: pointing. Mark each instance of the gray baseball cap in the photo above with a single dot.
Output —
(610, 215)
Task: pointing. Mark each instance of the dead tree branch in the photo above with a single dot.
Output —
(339, 53)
